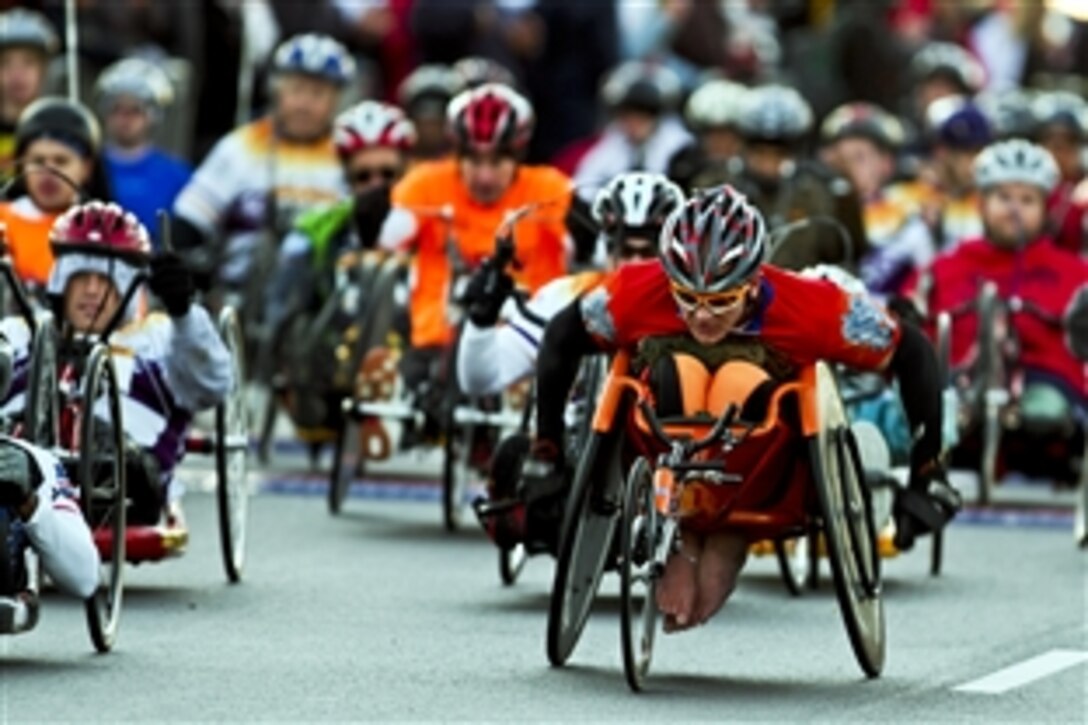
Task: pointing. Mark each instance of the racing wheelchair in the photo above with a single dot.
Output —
(997, 431)
(469, 428)
(73, 408)
(795, 470)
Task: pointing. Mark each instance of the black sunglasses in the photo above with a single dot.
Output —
(647, 252)
(384, 173)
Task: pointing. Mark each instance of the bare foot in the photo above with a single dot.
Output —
(676, 592)
(723, 556)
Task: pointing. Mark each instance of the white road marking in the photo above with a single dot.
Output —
(1026, 672)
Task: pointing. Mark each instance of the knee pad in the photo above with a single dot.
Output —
(679, 383)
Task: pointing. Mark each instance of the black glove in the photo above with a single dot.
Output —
(927, 504)
(19, 476)
(172, 282)
(371, 209)
(486, 292)
(905, 309)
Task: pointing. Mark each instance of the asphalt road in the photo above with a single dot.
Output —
(382, 615)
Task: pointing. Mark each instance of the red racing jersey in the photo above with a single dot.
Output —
(1040, 273)
(801, 318)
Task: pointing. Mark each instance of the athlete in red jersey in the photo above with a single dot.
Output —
(710, 289)
(1015, 178)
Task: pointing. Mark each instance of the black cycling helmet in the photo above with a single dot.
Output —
(60, 119)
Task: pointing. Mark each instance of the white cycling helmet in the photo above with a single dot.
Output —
(21, 28)
(1016, 160)
(864, 120)
(715, 242)
(475, 70)
(637, 200)
(1062, 108)
(372, 124)
(139, 79)
(643, 86)
(428, 89)
(951, 61)
(774, 113)
(715, 104)
(314, 55)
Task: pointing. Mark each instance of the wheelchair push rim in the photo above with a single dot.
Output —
(849, 531)
(40, 416)
(103, 499)
(639, 531)
(231, 453)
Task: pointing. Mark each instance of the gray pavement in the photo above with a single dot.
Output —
(381, 615)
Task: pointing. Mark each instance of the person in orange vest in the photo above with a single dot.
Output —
(448, 212)
(57, 146)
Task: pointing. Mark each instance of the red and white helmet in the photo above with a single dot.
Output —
(372, 124)
(491, 118)
(99, 238)
(715, 242)
(101, 229)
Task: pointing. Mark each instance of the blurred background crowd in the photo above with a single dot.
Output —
(560, 50)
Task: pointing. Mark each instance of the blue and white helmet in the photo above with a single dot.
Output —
(314, 55)
(1014, 161)
(136, 78)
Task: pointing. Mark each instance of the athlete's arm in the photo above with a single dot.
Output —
(566, 341)
(197, 363)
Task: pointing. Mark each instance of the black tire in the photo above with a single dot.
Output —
(936, 553)
(231, 453)
(640, 529)
(1080, 516)
(8, 566)
(101, 473)
(40, 416)
(794, 563)
(511, 562)
(589, 524)
(506, 466)
(347, 460)
(849, 529)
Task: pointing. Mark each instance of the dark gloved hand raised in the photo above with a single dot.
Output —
(486, 292)
(371, 209)
(172, 282)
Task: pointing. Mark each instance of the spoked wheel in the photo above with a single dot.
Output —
(795, 563)
(589, 524)
(231, 452)
(347, 460)
(101, 470)
(849, 531)
(640, 528)
(40, 415)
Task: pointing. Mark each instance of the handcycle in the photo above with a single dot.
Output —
(993, 426)
(626, 485)
(74, 408)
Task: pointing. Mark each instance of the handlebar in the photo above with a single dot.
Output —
(718, 433)
(782, 233)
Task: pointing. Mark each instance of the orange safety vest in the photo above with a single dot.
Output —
(539, 238)
(27, 239)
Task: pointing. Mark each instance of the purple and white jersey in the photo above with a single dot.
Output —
(167, 369)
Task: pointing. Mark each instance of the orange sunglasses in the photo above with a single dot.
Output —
(716, 303)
